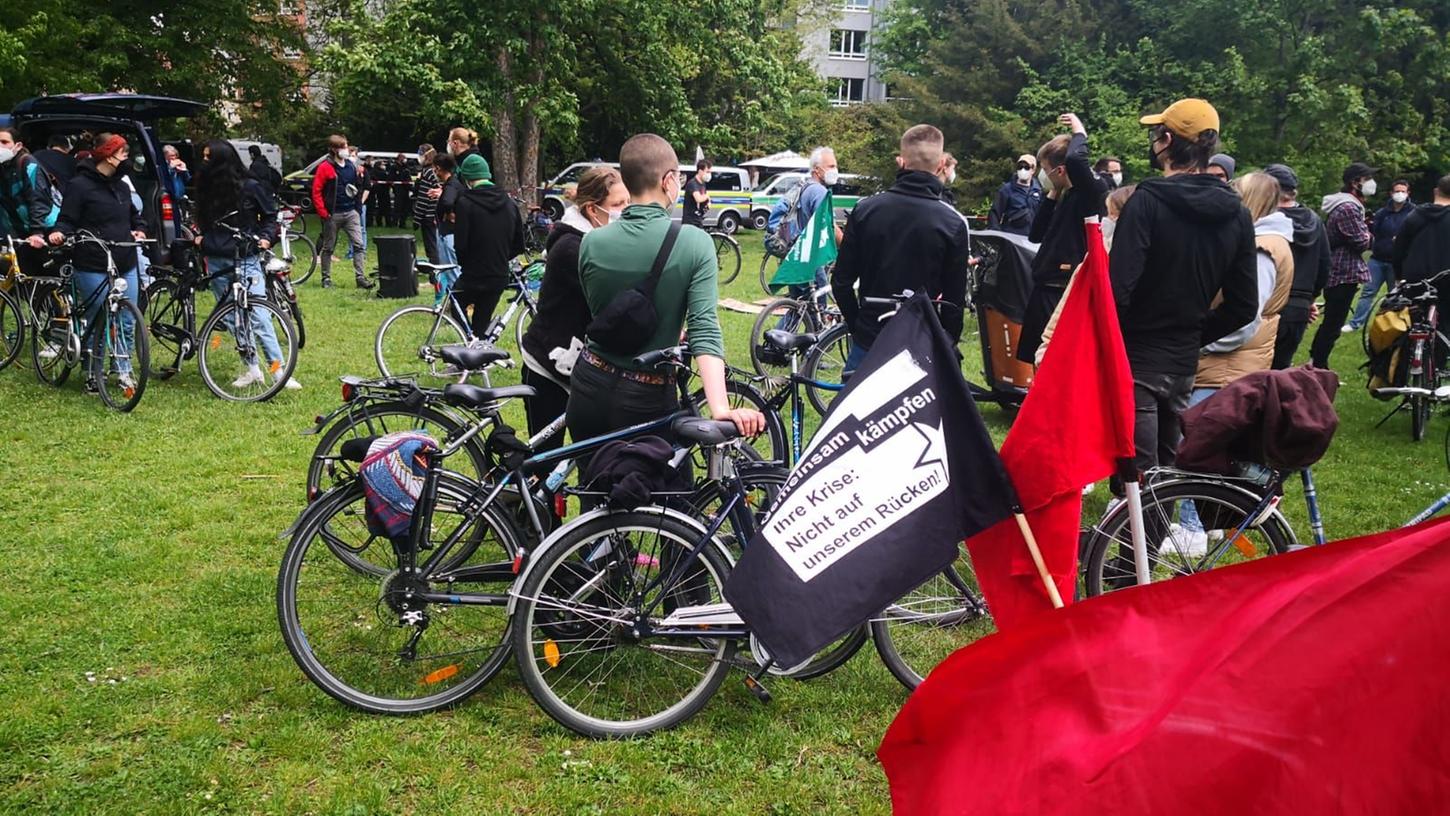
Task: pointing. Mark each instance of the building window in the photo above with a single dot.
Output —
(849, 90)
(856, 5)
(848, 43)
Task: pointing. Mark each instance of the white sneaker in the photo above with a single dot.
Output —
(1184, 542)
(252, 376)
(49, 352)
(292, 384)
(1346, 329)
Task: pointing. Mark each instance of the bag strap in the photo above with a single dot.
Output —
(651, 282)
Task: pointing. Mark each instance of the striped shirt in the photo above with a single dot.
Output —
(425, 207)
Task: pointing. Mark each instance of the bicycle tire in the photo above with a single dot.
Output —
(1419, 403)
(559, 570)
(277, 293)
(12, 329)
(521, 327)
(54, 346)
(304, 257)
(373, 420)
(928, 624)
(727, 257)
(394, 679)
(825, 363)
(216, 361)
(299, 223)
(774, 444)
(114, 390)
(166, 322)
(1228, 506)
(764, 482)
(795, 316)
(399, 352)
(767, 272)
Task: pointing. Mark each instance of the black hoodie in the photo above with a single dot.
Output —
(1179, 242)
(487, 234)
(1311, 261)
(1422, 248)
(904, 238)
(100, 205)
(563, 311)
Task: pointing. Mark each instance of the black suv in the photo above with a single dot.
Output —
(133, 116)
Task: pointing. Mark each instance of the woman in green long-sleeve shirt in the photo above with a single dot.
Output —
(606, 391)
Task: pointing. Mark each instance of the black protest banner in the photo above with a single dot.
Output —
(900, 472)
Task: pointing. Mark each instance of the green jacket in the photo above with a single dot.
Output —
(618, 257)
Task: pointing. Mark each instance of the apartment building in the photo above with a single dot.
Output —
(838, 44)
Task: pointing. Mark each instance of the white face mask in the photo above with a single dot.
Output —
(1367, 188)
(1118, 179)
(1400, 198)
(831, 177)
(614, 215)
(951, 177)
(1043, 180)
(6, 154)
(1024, 175)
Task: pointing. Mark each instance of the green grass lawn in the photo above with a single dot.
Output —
(141, 669)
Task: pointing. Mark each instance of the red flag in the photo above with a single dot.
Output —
(1075, 425)
(1310, 682)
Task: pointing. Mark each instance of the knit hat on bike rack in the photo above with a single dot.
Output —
(474, 168)
(111, 147)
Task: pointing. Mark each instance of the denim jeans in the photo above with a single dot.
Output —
(90, 294)
(801, 291)
(1381, 273)
(256, 287)
(853, 360)
(446, 253)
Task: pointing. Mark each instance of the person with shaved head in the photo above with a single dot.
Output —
(607, 390)
(903, 239)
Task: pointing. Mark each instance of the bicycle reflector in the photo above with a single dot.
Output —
(440, 675)
(348, 390)
(551, 654)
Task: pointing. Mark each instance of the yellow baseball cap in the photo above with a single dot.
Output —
(1186, 117)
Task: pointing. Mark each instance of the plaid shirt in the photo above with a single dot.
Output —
(1349, 236)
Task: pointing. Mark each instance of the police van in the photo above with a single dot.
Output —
(845, 193)
(729, 189)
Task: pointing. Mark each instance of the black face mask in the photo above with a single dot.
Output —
(1155, 158)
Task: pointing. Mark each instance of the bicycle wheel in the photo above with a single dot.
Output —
(521, 326)
(786, 314)
(327, 468)
(825, 364)
(771, 446)
(1423, 379)
(240, 364)
(362, 637)
(286, 303)
(763, 483)
(408, 341)
(55, 347)
(12, 330)
(304, 257)
(924, 627)
(727, 257)
(767, 271)
(126, 357)
(299, 224)
(166, 322)
(574, 626)
(1174, 550)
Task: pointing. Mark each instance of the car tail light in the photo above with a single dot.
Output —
(168, 210)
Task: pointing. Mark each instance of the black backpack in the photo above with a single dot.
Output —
(627, 322)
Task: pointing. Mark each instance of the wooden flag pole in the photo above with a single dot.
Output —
(1037, 560)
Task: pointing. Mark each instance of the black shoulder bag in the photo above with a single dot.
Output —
(627, 322)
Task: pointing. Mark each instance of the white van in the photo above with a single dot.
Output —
(272, 153)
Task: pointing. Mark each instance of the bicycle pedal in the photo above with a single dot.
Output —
(757, 688)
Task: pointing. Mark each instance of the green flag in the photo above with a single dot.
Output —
(814, 248)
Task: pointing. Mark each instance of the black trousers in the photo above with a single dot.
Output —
(1286, 343)
(1338, 300)
(600, 402)
(483, 301)
(544, 407)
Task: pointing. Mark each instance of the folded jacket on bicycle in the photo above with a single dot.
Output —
(1281, 419)
(631, 471)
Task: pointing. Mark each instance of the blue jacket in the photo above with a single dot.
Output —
(176, 182)
(1387, 224)
(1015, 207)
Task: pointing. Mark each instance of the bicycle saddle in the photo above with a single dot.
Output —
(702, 431)
(472, 358)
(356, 450)
(788, 341)
(464, 395)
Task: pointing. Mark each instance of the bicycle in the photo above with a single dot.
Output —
(282, 293)
(293, 245)
(15, 322)
(727, 255)
(65, 336)
(811, 314)
(409, 340)
(1427, 348)
(171, 318)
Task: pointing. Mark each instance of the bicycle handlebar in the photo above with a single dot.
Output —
(674, 355)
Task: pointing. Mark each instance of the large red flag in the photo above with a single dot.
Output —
(1310, 682)
(1075, 425)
